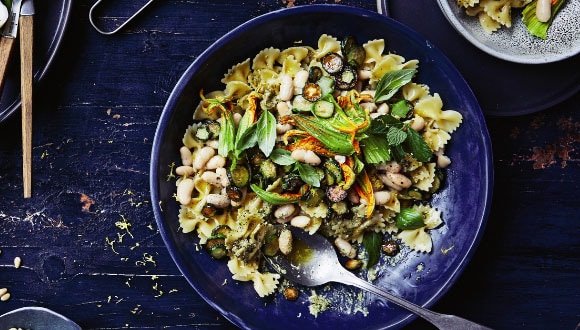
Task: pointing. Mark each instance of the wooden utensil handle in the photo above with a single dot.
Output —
(26, 76)
(6, 45)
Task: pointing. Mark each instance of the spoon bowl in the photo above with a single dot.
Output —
(313, 261)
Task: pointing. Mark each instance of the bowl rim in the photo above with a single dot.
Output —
(297, 10)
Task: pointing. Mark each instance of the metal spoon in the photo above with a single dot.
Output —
(313, 261)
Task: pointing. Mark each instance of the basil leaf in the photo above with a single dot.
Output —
(274, 198)
(391, 82)
(308, 174)
(266, 132)
(409, 218)
(417, 146)
(396, 136)
(226, 141)
(246, 139)
(282, 157)
(372, 242)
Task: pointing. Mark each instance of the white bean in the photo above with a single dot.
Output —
(284, 211)
(283, 128)
(285, 241)
(223, 175)
(300, 79)
(184, 190)
(544, 10)
(286, 89)
(390, 166)
(184, 170)
(311, 158)
(186, 158)
(237, 118)
(215, 162)
(364, 75)
(300, 221)
(202, 157)
(369, 106)
(298, 154)
(396, 181)
(418, 123)
(382, 197)
(212, 143)
(345, 248)
(217, 200)
(283, 109)
(442, 160)
(212, 178)
(340, 159)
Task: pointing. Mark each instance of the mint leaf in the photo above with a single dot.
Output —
(266, 132)
(391, 82)
(396, 136)
(417, 146)
(372, 242)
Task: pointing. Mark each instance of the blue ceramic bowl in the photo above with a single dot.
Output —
(464, 201)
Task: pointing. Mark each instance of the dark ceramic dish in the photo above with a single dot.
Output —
(37, 318)
(50, 21)
(464, 201)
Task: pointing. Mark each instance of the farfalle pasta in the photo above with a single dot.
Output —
(338, 140)
(492, 14)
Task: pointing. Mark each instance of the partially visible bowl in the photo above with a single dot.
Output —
(464, 200)
(516, 44)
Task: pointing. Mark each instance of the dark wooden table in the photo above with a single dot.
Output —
(88, 240)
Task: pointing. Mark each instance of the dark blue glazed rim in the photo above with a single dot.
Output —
(464, 201)
(49, 27)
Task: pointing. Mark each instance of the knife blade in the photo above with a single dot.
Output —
(26, 78)
(9, 33)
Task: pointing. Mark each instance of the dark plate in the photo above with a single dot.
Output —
(503, 88)
(418, 277)
(37, 318)
(50, 22)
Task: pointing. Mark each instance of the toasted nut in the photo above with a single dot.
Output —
(291, 293)
(5, 297)
(352, 264)
(17, 262)
(285, 241)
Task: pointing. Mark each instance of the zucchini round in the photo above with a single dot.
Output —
(323, 109)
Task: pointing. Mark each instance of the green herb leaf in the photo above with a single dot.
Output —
(282, 157)
(534, 26)
(381, 124)
(417, 146)
(396, 136)
(409, 218)
(308, 174)
(375, 149)
(372, 242)
(401, 108)
(391, 82)
(266, 132)
(274, 198)
(226, 142)
(246, 140)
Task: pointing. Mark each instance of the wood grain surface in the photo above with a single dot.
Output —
(89, 244)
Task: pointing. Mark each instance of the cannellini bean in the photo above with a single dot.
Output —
(186, 158)
(217, 200)
(237, 118)
(184, 190)
(212, 143)
(396, 181)
(284, 211)
(298, 154)
(215, 162)
(283, 128)
(369, 106)
(202, 157)
(285, 241)
(300, 221)
(364, 74)
(544, 10)
(223, 175)
(442, 160)
(300, 79)
(212, 178)
(383, 109)
(286, 88)
(283, 109)
(382, 197)
(418, 123)
(340, 159)
(184, 170)
(345, 248)
(306, 156)
(390, 166)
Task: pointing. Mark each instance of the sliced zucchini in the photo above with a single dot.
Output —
(347, 79)
(314, 73)
(356, 56)
(234, 193)
(268, 169)
(221, 229)
(216, 245)
(207, 130)
(314, 197)
(312, 92)
(332, 63)
(326, 85)
(301, 104)
(239, 176)
(323, 109)
(209, 210)
(272, 246)
(333, 171)
(218, 251)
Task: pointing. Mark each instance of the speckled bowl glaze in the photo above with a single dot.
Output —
(36, 318)
(516, 44)
(419, 277)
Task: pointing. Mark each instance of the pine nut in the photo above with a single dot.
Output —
(17, 262)
(5, 297)
(3, 291)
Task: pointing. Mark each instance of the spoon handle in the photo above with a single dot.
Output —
(441, 321)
